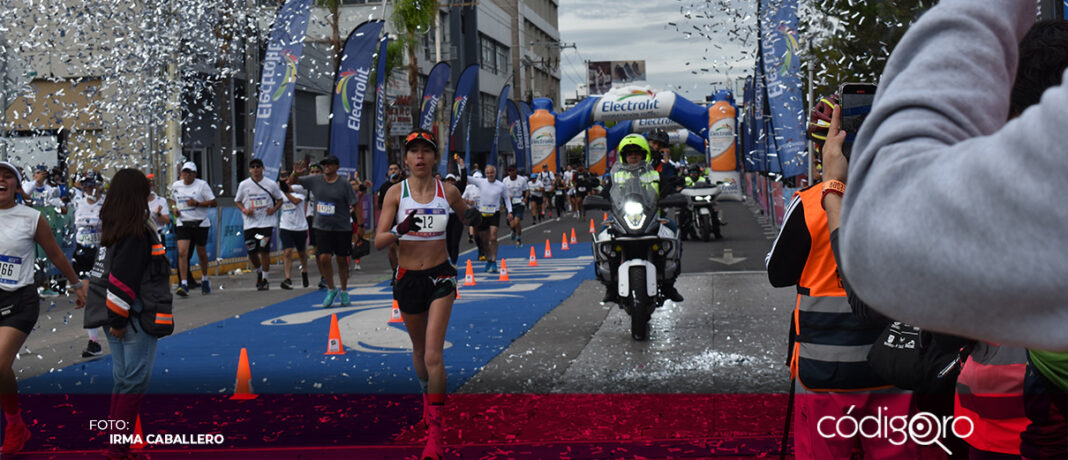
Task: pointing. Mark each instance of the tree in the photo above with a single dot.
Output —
(411, 19)
(851, 40)
(333, 6)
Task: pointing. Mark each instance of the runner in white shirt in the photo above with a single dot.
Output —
(293, 232)
(191, 198)
(258, 200)
(471, 196)
(87, 243)
(517, 192)
(542, 186)
(491, 193)
(158, 208)
(24, 228)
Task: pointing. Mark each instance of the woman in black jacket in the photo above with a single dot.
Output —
(127, 242)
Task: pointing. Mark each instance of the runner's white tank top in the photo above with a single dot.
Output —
(431, 218)
(17, 249)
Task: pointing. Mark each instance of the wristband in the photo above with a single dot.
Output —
(76, 286)
(393, 231)
(833, 186)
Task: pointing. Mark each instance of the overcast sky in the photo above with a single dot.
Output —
(656, 31)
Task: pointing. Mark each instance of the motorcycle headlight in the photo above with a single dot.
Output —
(633, 214)
(708, 197)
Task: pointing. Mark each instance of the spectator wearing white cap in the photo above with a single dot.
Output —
(191, 198)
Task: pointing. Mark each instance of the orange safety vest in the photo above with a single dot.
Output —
(831, 345)
(990, 393)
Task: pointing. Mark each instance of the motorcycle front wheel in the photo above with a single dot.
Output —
(641, 304)
(704, 227)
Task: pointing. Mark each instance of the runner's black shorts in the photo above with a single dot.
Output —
(536, 199)
(336, 242)
(490, 221)
(416, 289)
(518, 210)
(258, 240)
(293, 239)
(194, 233)
(20, 308)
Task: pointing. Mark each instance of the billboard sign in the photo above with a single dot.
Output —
(601, 75)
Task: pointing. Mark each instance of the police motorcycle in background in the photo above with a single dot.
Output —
(637, 242)
(704, 219)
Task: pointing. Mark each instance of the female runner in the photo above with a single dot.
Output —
(415, 212)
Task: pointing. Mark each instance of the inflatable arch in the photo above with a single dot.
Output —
(715, 124)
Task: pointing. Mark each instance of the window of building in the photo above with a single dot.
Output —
(489, 110)
(489, 54)
(495, 56)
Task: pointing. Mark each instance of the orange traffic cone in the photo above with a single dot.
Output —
(504, 271)
(333, 344)
(573, 239)
(563, 242)
(139, 439)
(394, 314)
(243, 386)
(533, 260)
(457, 292)
(548, 251)
(592, 228)
(469, 278)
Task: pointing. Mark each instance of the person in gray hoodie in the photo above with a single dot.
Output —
(947, 222)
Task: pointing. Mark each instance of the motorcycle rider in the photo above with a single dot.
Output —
(636, 155)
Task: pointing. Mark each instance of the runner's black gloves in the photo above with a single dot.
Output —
(408, 224)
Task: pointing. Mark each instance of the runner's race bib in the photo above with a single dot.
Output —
(259, 203)
(559, 192)
(288, 206)
(10, 269)
(517, 200)
(487, 209)
(582, 189)
(325, 208)
(182, 203)
(431, 221)
(88, 237)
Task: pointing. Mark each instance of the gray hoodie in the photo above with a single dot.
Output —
(953, 219)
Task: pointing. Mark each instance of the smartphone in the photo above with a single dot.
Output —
(856, 105)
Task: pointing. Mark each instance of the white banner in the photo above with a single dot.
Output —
(633, 105)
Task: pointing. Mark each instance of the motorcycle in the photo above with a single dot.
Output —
(637, 241)
(704, 219)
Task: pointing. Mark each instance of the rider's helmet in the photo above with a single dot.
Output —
(633, 143)
(659, 135)
(819, 120)
(694, 170)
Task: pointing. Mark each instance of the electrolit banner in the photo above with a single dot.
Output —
(380, 159)
(459, 104)
(354, 72)
(667, 124)
(492, 160)
(524, 118)
(543, 135)
(782, 75)
(284, 48)
(515, 131)
(634, 104)
(435, 87)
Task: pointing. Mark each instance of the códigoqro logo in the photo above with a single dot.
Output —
(922, 428)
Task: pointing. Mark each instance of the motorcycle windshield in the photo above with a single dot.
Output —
(633, 201)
